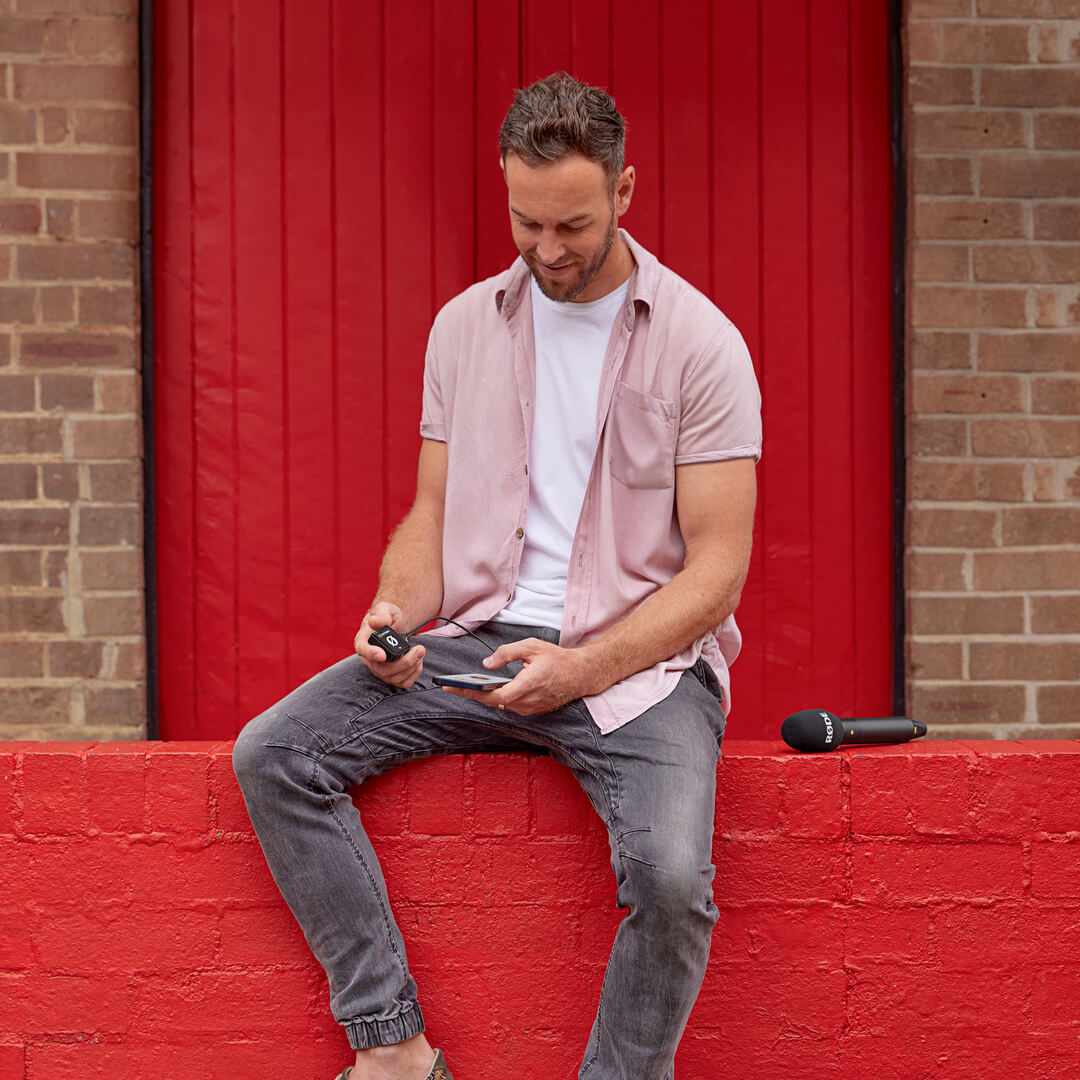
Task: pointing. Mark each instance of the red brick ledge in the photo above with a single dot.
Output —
(885, 912)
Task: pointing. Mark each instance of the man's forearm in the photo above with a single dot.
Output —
(705, 592)
(410, 576)
(695, 601)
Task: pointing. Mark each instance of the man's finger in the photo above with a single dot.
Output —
(366, 651)
(399, 674)
(514, 650)
(382, 615)
(403, 677)
(413, 660)
(379, 616)
(484, 697)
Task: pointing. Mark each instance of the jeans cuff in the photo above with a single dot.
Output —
(364, 1034)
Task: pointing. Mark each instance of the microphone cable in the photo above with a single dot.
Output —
(453, 622)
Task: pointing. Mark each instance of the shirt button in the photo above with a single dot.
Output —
(508, 595)
(520, 533)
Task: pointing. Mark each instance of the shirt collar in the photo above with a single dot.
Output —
(644, 280)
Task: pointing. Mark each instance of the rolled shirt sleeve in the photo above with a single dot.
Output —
(721, 403)
(433, 413)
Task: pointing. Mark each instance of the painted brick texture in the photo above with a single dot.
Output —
(887, 913)
(71, 594)
(993, 121)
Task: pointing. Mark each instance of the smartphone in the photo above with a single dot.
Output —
(471, 682)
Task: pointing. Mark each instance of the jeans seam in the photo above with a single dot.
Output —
(588, 1063)
(359, 855)
(637, 859)
(416, 755)
(624, 854)
(362, 710)
(308, 728)
(614, 807)
(295, 749)
(333, 748)
(503, 725)
(455, 748)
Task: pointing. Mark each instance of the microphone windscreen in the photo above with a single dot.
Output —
(812, 731)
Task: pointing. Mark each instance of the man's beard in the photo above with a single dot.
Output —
(565, 291)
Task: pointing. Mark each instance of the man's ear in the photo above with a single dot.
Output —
(624, 190)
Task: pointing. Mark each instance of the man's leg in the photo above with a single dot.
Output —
(295, 764)
(657, 798)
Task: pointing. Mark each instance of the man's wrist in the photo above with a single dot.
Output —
(593, 675)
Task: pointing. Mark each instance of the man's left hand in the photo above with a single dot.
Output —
(550, 677)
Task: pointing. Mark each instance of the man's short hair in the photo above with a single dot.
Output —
(558, 116)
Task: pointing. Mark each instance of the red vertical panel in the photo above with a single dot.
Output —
(361, 451)
(687, 140)
(636, 89)
(871, 367)
(262, 623)
(352, 181)
(785, 368)
(410, 178)
(309, 361)
(830, 402)
(736, 274)
(497, 76)
(214, 377)
(172, 366)
(736, 176)
(454, 104)
(545, 38)
(590, 42)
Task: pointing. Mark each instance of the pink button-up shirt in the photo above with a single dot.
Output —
(677, 387)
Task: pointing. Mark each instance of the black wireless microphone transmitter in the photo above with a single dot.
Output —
(392, 643)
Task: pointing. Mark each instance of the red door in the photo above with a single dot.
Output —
(325, 177)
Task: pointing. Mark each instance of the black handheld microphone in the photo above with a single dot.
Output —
(815, 730)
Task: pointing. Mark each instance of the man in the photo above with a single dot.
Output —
(584, 503)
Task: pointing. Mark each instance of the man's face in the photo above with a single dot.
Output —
(563, 218)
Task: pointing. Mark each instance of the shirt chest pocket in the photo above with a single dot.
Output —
(641, 439)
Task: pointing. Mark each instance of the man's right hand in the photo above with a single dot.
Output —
(401, 673)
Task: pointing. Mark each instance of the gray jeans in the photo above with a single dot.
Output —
(652, 781)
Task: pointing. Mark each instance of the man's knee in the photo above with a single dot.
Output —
(667, 875)
(256, 760)
(247, 756)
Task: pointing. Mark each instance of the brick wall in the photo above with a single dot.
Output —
(71, 647)
(903, 912)
(993, 119)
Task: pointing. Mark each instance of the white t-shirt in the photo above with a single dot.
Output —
(570, 342)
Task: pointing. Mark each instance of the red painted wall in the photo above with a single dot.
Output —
(325, 177)
(906, 912)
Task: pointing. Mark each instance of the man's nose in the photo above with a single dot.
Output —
(550, 249)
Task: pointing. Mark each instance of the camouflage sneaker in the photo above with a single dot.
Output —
(439, 1071)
